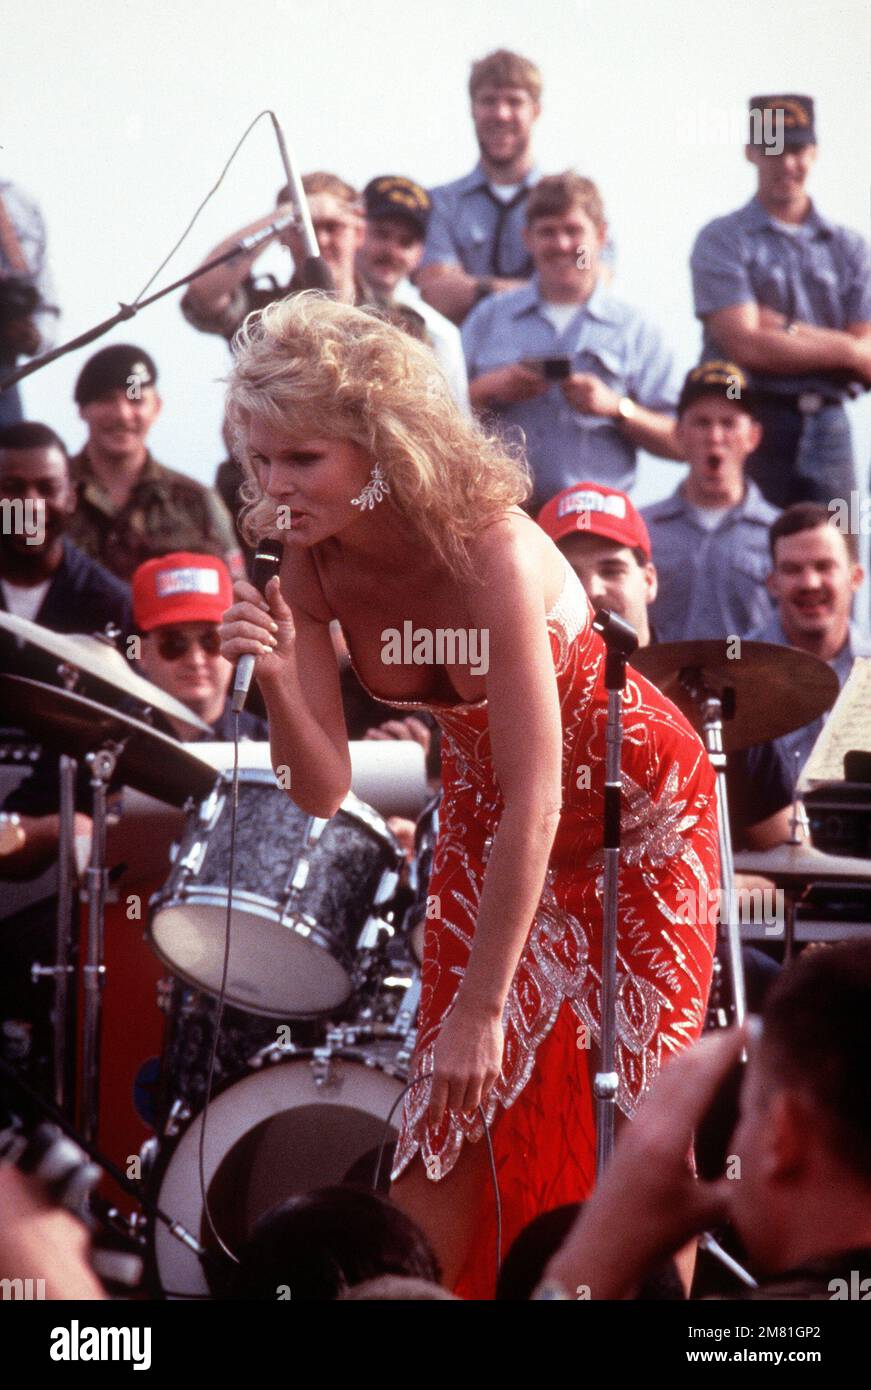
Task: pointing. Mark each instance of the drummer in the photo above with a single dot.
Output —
(178, 601)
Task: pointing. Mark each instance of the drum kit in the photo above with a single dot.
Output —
(320, 975)
(292, 945)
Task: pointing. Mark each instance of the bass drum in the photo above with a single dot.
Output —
(312, 1119)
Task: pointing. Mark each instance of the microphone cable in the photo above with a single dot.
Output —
(494, 1178)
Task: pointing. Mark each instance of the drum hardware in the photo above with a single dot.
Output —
(798, 687)
(295, 947)
(102, 763)
(179, 1114)
(711, 714)
(97, 658)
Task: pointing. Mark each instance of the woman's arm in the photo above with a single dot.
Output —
(297, 673)
(526, 745)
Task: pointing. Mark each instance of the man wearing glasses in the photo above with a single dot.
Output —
(178, 602)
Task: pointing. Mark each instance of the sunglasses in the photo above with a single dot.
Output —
(173, 645)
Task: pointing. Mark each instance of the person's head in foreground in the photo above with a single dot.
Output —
(804, 1133)
(797, 1177)
(320, 1244)
(348, 435)
(178, 602)
(606, 543)
(717, 433)
(38, 497)
(815, 572)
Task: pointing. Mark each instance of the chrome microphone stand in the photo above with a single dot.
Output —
(620, 641)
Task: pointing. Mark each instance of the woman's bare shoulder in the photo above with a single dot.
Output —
(301, 585)
(513, 545)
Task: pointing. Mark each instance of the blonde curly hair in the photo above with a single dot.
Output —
(316, 368)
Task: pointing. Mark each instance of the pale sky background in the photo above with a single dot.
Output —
(117, 117)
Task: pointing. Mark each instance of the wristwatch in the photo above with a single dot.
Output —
(12, 834)
(626, 408)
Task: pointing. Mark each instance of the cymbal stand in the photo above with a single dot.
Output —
(710, 706)
(102, 763)
(62, 969)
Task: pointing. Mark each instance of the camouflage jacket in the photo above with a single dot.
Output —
(165, 511)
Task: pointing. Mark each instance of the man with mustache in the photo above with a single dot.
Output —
(710, 537)
(397, 216)
(815, 573)
(786, 293)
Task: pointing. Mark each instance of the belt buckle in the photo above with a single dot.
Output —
(810, 402)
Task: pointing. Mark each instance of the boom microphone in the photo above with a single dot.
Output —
(267, 562)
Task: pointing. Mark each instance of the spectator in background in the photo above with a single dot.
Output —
(815, 573)
(710, 537)
(219, 301)
(28, 304)
(397, 215)
(43, 575)
(586, 377)
(475, 244)
(802, 1206)
(179, 601)
(786, 293)
(607, 544)
(129, 507)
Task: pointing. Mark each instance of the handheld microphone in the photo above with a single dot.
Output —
(267, 562)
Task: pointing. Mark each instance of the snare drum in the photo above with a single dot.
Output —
(306, 898)
(293, 1122)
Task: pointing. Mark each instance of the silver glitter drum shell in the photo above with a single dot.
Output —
(303, 892)
(312, 1121)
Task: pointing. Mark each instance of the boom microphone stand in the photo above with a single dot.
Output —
(620, 642)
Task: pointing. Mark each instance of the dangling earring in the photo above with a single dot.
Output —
(374, 490)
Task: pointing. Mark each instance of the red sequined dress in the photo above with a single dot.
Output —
(540, 1111)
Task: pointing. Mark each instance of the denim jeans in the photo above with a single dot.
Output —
(803, 458)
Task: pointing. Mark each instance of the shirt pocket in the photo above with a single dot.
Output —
(752, 566)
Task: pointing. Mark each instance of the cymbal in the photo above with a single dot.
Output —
(775, 689)
(150, 761)
(785, 863)
(98, 658)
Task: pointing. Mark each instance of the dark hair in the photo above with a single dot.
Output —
(816, 1037)
(324, 1242)
(29, 434)
(524, 1265)
(556, 194)
(635, 550)
(809, 516)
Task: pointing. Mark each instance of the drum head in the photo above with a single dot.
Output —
(273, 1134)
(283, 970)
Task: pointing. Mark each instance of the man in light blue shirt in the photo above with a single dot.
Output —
(815, 573)
(786, 293)
(585, 377)
(710, 537)
(475, 244)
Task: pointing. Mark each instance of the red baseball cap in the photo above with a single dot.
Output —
(599, 510)
(180, 588)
